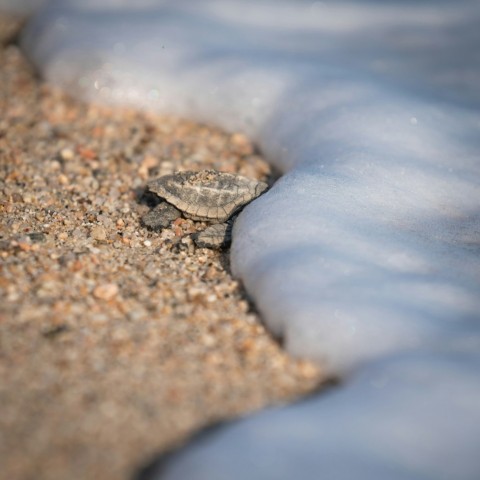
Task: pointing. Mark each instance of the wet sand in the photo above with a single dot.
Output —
(116, 343)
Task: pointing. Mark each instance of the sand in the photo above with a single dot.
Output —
(116, 343)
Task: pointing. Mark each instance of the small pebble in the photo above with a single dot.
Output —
(66, 154)
(106, 291)
(98, 233)
(63, 179)
(37, 237)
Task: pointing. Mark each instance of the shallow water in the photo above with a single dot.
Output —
(365, 255)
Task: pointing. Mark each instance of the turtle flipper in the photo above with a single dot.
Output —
(215, 236)
(161, 216)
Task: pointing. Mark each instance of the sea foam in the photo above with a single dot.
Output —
(365, 255)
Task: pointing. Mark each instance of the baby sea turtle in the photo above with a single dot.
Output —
(209, 196)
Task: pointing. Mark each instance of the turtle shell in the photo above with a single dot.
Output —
(208, 194)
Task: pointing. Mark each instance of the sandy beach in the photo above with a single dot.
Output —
(116, 343)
